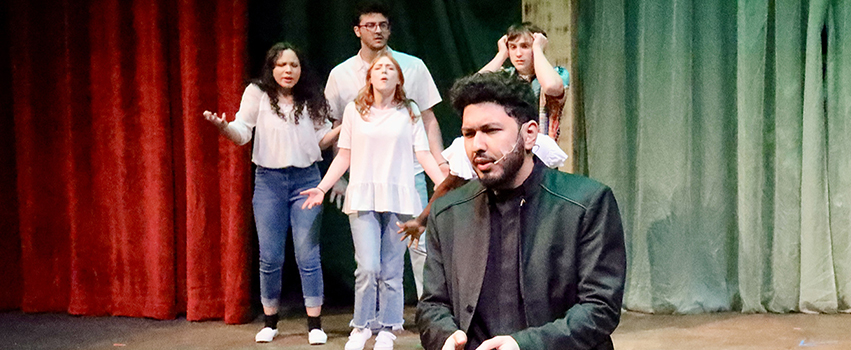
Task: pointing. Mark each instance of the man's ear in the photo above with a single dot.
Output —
(530, 134)
(357, 31)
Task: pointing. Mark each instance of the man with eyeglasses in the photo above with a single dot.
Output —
(372, 25)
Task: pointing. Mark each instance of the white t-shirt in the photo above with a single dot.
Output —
(381, 176)
(459, 164)
(349, 77)
(277, 143)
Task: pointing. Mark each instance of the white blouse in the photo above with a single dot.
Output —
(381, 172)
(278, 143)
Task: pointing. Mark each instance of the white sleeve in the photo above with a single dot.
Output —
(332, 94)
(424, 91)
(246, 117)
(548, 151)
(322, 129)
(345, 140)
(420, 140)
(459, 163)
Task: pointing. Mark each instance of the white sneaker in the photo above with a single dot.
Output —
(317, 337)
(384, 341)
(265, 335)
(358, 338)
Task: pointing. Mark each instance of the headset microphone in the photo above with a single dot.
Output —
(506, 154)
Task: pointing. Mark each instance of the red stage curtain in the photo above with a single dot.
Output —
(128, 202)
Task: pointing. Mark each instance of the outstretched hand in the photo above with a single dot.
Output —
(211, 117)
(411, 229)
(540, 41)
(314, 197)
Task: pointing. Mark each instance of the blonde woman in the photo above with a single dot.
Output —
(380, 128)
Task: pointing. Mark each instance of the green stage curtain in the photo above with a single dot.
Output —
(723, 129)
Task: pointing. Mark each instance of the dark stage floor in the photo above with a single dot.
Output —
(637, 331)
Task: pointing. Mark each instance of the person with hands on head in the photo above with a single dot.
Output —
(381, 132)
(524, 46)
(523, 257)
(288, 115)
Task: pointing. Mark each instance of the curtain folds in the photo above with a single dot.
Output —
(723, 128)
(120, 198)
(128, 203)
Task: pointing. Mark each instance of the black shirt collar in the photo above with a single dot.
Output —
(529, 186)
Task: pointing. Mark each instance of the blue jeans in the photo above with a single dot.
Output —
(277, 207)
(380, 255)
(418, 252)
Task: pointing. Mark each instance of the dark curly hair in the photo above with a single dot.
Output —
(367, 7)
(508, 91)
(306, 92)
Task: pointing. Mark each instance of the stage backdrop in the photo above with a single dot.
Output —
(724, 130)
(118, 198)
(127, 204)
(452, 38)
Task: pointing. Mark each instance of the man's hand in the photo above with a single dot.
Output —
(338, 193)
(456, 341)
(502, 45)
(539, 41)
(502, 342)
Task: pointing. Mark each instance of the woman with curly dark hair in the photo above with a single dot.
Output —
(289, 116)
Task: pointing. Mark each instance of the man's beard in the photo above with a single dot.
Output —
(511, 164)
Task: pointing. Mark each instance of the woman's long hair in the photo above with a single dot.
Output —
(306, 92)
(366, 96)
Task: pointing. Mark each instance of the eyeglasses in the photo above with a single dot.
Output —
(372, 25)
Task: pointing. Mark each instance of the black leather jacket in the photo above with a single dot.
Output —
(573, 264)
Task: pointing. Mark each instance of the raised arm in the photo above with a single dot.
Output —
(501, 55)
(222, 125)
(240, 130)
(551, 83)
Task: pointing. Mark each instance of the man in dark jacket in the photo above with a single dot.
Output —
(526, 256)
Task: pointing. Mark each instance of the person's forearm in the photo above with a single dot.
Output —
(329, 138)
(230, 133)
(495, 64)
(337, 168)
(435, 137)
(430, 166)
(551, 83)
